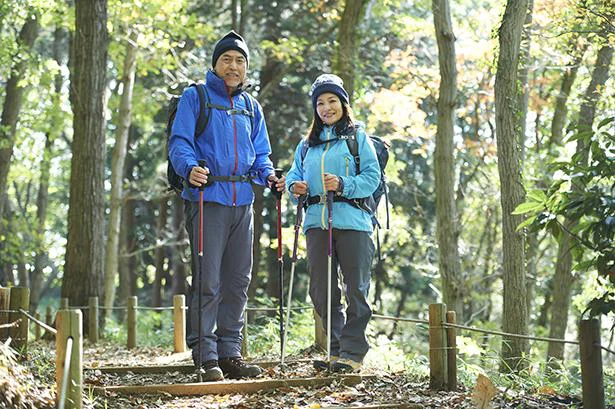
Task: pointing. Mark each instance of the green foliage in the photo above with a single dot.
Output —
(584, 196)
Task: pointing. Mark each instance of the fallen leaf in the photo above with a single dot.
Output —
(546, 390)
(484, 391)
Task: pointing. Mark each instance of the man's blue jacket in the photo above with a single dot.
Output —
(232, 144)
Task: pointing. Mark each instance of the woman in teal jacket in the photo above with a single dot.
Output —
(327, 165)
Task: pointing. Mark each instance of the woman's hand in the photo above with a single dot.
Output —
(332, 182)
(299, 188)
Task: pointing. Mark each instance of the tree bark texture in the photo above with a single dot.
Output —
(444, 164)
(83, 268)
(118, 160)
(347, 34)
(522, 76)
(12, 102)
(564, 278)
(515, 317)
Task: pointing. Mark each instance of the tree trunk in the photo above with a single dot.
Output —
(344, 64)
(444, 163)
(118, 160)
(12, 102)
(161, 225)
(561, 111)
(512, 193)
(564, 279)
(178, 261)
(83, 268)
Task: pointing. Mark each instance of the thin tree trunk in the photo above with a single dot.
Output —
(522, 77)
(243, 16)
(564, 280)
(444, 163)
(178, 259)
(83, 268)
(118, 160)
(12, 103)
(512, 192)
(257, 248)
(161, 225)
(347, 35)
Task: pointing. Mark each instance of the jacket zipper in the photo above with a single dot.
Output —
(322, 173)
(235, 150)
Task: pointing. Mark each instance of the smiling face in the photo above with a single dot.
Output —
(231, 67)
(329, 108)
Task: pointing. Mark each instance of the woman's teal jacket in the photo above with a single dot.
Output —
(333, 157)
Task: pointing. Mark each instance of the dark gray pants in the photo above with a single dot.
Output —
(352, 251)
(225, 272)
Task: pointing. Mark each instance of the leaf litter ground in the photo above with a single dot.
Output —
(382, 390)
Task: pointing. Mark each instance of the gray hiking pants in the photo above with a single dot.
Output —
(352, 251)
(225, 276)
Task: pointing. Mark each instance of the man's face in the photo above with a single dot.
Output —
(231, 67)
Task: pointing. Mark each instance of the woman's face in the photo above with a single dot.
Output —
(329, 108)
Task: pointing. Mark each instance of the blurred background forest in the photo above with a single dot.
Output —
(563, 148)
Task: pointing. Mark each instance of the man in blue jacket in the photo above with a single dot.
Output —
(235, 146)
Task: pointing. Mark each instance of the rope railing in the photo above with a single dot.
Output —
(66, 373)
(40, 323)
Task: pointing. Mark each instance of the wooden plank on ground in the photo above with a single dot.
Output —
(181, 368)
(228, 387)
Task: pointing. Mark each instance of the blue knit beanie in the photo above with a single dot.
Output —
(231, 41)
(328, 83)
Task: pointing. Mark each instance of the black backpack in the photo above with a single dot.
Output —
(382, 153)
(176, 182)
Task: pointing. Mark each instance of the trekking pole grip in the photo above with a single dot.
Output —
(203, 164)
(278, 174)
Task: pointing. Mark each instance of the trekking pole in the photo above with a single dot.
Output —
(329, 268)
(278, 202)
(292, 272)
(200, 371)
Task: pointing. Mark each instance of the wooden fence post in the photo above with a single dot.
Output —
(5, 297)
(49, 318)
(320, 337)
(93, 320)
(37, 328)
(19, 299)
(451, 352)
(132, 322)
(438, 369)
(70, 325)
(179, 323)
(244, 335)
(64, 303)
(591, 364)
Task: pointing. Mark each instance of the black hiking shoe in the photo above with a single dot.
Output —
(210, 372)
(235, 368)
(322, 365)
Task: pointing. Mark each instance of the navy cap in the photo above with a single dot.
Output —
(328, 83)
(231, 41)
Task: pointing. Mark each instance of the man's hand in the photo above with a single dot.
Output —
(198, 176)
(331, 182)
(279, 183)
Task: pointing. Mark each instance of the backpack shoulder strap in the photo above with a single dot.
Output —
(353, 147)
(250, 104)
(304, 148)
(203, 119)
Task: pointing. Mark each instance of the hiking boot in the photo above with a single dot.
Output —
(210, 371)
(344, 365)
(235, 368)
(322, 365)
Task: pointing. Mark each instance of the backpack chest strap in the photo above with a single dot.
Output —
(231, 111)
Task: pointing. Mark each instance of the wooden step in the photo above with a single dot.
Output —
(231, 387)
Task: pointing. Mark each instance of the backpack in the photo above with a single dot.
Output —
(381, 146)
(174, 181)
